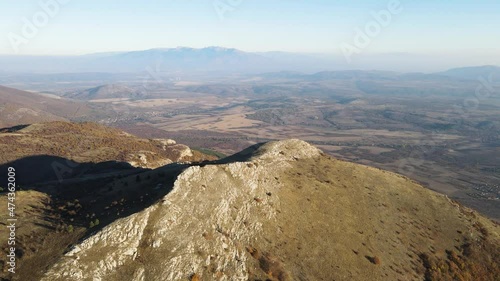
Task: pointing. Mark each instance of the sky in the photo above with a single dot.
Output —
(424, 27)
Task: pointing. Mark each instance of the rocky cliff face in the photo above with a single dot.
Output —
(286, 211)
(151, 160)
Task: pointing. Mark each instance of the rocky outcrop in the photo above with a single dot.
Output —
(148, 159)
(166, 142)
(285, 211)
(208, 220)
(172, 152)
(180, 151)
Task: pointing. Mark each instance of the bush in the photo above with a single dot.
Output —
(375, 260)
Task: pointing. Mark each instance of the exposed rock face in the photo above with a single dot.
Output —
(166, 142)
(181, 151)
(285, 212)
(125, 248)
(151, 160)
(147, 159)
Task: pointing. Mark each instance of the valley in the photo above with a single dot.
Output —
(129, 145)
(424, 132)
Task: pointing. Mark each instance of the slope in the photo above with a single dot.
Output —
(109, 91)
(72, 179)
(21, 107)
(89, 142)
(286, 211)
(474, 72)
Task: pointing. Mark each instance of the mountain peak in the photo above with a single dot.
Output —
(285, 211)
(292, 149)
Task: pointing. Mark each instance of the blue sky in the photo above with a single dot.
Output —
(319, 26)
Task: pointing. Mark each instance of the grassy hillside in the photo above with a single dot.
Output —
(21, 107)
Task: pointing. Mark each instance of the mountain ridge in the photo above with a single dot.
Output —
(473, 72)
(107, 91)
(213, 60)
(273, 210)
(72, 177)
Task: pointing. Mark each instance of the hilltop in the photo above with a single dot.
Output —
(74, 177)
(110, 91)
(22, 107)
(287, 211)
(474, 72)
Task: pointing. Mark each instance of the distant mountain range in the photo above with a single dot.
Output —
(473, 72)
(467, 73)
(209, 60)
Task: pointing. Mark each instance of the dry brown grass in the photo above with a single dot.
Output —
(474, 261)
(41, 236)
(84, 142)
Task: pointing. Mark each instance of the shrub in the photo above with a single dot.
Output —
(375, 260)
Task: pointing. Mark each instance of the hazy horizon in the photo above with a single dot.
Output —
(397, 62)
(425, 29)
